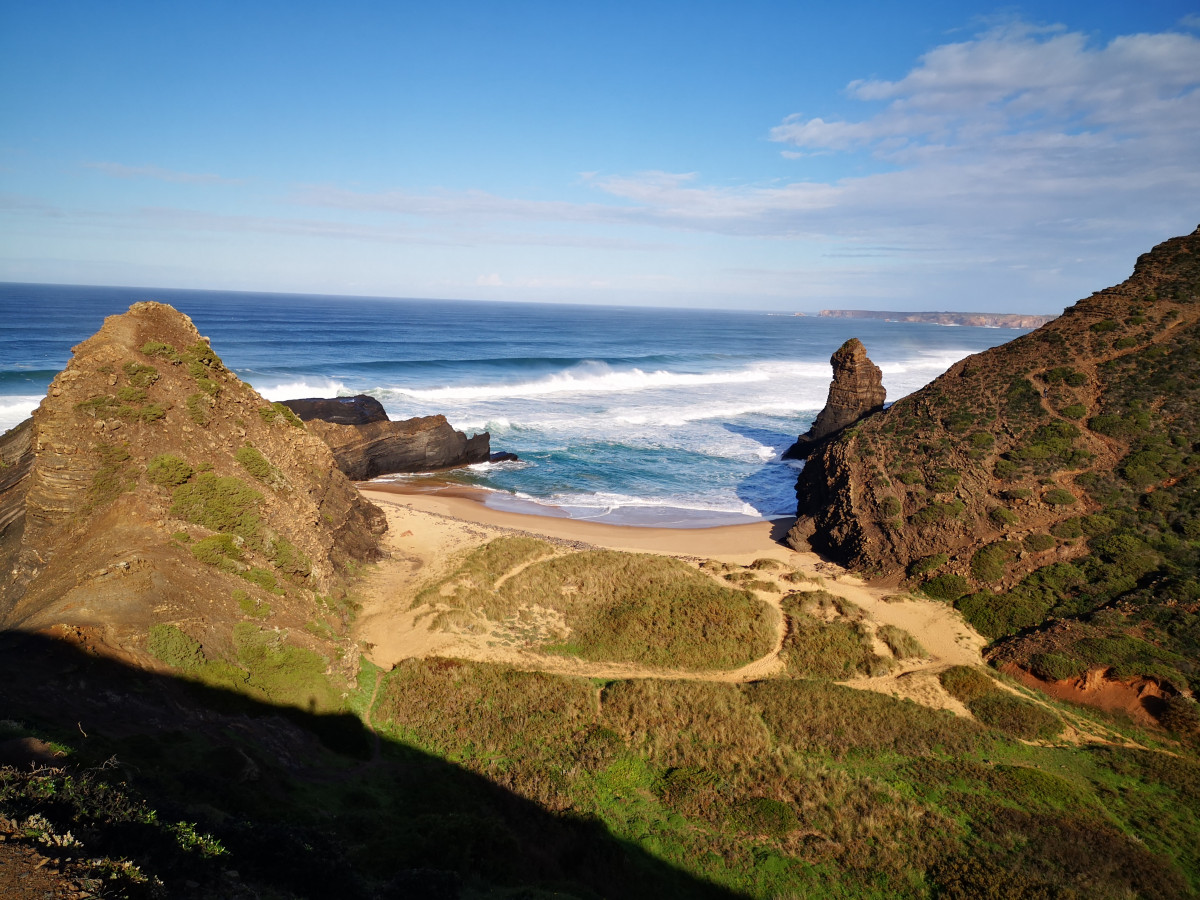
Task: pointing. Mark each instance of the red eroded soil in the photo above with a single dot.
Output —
(1136, 698)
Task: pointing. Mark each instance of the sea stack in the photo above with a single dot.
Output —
(856, 391)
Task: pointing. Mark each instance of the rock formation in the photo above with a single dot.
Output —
(984, 320)
(1050, 479)
(366, 444)
(151, 484)
(856, 391)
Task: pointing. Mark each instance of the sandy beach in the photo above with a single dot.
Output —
(431, 525)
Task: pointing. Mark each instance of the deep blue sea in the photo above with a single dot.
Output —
(635, 415)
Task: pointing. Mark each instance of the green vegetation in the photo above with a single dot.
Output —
(161, 351)
(283, 673)
(280, 411)
(827, 637)
(140, 376)
(1058, 497)
(173, 647)
(251, 606)
(223, 504)
(900, 642)
(997, 708)
(220, 550)
(168, 470)
(250, 459)
(947, 587)
(199, 407)
(615, 606)
(989, 563)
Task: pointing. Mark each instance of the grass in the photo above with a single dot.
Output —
(827, 638)
(902, 644)
(169, 644)
(621, 607)
(997, 708)
(222, 503)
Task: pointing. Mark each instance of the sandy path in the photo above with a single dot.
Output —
(429, 530)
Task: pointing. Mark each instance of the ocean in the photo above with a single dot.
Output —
(639, 416)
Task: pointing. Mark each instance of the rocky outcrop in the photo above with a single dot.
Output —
(856, 391)
(366, 444)
(425, 444)
(361, 409)
(146, 449)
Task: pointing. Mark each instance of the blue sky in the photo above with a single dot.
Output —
(761, 155)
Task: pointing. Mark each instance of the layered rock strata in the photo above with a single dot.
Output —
(856, 391)
(366, 446)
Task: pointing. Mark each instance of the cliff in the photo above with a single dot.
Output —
(366, 445)
(1051, 477)
(152, 485)
(984, 320)
(856, 391)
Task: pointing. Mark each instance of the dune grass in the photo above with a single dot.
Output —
(623, 607)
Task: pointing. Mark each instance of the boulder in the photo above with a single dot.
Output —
(856, 391)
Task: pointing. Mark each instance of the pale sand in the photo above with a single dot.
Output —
(429, 529)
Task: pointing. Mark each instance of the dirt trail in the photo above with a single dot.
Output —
(426, 534)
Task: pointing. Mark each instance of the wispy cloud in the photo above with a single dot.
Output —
(156, 173)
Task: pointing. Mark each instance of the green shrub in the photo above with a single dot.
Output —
(945, 481)
(982, 440)
(264, 578)
(927, 564)
(1002, 517)
(909, 477)
(1056, 666)
(140, 376)
(947, 587)
(890, 507)
(250, 459)
(284, 674)
(111, 478)
(1037, 543)
(965, 683)
(1015, 717)
(199, 407)
(937, 512)
(1058, 497)
(130, 394)
(221, 503)
(1067, 528)
(277, 410)
(989, 563)
(1103, 326)
(161, 350)
(1074, 411)
(219, 550)
(168, 470)
(764, 815)
(1016, 494)
(175, 648)
(288, 559)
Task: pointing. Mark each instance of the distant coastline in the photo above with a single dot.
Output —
(980, 320)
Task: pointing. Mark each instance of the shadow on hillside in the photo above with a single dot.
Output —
(308, 805)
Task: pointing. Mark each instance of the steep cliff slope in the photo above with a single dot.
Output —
(1053, 477)
(153, 486)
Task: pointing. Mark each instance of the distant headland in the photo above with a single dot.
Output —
(986, 320)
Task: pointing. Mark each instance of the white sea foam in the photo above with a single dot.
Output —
(16, 408)
(592, 378)
(301, 389)
(608, 501)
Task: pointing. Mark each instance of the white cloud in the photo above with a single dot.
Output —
(492, 280)
(119, 170)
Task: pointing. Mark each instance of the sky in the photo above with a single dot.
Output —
(787, 156)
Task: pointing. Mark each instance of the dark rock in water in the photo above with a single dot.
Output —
(425, 444)
(359, 410)
(503, 456)
(856, 391)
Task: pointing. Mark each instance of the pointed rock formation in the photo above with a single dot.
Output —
(153, 485)
(856, 391)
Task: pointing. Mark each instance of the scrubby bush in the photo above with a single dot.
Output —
(1056, 666)
(900, 642)
(221, 503)
(168, 470)
(927, 564)
(965, 683)
(1067, 528)
(890, 507)
(250, 459)
(219, 550)
(140, 376)
(1002, 517)
(1037, 543)
(171, 645)
(161, 350)
(1015, 717)
(1074, 411)
(947, 587)
(989, 563)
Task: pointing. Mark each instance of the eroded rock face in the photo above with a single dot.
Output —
(424, 444)
(856, 391)
(366, 444)
(92, 530)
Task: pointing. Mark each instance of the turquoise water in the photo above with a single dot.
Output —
(644, 416)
